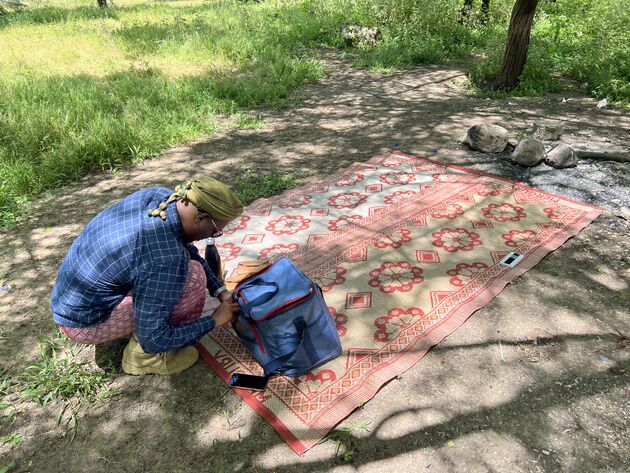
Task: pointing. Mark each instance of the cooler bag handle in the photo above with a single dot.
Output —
(266, 297)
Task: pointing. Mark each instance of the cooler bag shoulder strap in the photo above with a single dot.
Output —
(306, 343)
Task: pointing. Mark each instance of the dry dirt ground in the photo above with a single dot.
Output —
(538, 380)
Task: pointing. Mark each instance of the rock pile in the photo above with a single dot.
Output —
(543, 144)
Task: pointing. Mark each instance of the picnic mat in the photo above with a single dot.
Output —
(405, 250)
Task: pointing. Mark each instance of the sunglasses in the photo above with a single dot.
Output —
(218, 232)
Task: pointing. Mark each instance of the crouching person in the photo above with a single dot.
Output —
(133, 272)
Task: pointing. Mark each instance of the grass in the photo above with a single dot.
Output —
(56, 376)
(585, 41)
(14, 439)
(7, 468)
(253, 184)
(346, 436)
(84, 89)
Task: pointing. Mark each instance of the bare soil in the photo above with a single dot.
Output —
(538, 380)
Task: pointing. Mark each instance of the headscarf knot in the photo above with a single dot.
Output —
(208, 195)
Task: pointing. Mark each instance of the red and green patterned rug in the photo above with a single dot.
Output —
(405, 250)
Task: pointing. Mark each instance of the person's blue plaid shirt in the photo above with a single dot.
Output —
(124, 250)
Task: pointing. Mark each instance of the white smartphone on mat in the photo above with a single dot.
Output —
(511, 259)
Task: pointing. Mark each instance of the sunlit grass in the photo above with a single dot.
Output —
(29, 50)
(85, 89)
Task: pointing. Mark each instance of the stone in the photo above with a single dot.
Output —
(487, 138)
(529, 152)
(357, 35)
(513, 142)
(562, 156)
(547, 132)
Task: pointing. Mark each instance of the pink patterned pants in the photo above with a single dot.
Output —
(121, 323)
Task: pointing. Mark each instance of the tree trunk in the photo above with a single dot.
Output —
(102, 3)
(468, 4)
(485, 10)
(517, 44)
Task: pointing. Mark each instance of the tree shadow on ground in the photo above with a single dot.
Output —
(169, 424)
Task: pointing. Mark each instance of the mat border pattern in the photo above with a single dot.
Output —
(387, 370)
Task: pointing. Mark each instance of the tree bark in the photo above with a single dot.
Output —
(468, 4)
(485, 10)
(517, 44)
(603, 156)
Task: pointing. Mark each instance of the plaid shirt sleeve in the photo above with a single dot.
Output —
(213, 282)
(156, 292)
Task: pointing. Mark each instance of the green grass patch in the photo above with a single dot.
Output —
(7, 468)
(248, 121)
(254, 184)
(14, 439)
(84, 89)
(346, 436)
(57, 375)
(588, 42)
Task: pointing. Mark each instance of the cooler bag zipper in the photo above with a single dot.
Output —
(284, 307)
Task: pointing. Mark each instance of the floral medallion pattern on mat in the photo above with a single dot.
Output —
(405, 250)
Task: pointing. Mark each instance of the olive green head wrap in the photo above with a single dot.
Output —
(208, 195)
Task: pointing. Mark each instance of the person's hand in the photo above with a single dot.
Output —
(226, 313)
(225, 296)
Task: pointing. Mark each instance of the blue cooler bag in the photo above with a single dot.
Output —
(284, 320)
